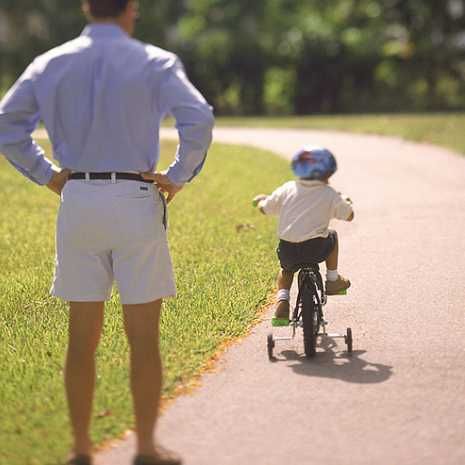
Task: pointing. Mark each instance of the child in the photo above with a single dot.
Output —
(305, 207)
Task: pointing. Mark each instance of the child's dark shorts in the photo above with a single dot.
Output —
(292, 255)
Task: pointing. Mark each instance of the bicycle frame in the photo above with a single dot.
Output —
(310, 280)
(310, 290)
(308, 310)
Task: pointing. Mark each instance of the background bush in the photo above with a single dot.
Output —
(281, 56)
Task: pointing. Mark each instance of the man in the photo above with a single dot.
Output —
(101, 97)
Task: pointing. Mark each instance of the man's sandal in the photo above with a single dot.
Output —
(164, 457)
(80, 460)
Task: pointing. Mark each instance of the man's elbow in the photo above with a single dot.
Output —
(206, 123)
(208, 117)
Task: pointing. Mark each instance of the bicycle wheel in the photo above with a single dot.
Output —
(349, 341)
(309, 321)
(270, 346)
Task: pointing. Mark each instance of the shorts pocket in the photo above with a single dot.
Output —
(139, 218)
(135, 190)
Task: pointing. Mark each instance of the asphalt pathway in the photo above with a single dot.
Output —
(400, 398)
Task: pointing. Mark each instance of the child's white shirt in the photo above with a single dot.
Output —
(305, 209)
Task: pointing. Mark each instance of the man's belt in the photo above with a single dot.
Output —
(109, 176)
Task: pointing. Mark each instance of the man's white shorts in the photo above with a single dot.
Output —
(112, 231)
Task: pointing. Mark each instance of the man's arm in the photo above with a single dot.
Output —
(194, 122)
(19, 115)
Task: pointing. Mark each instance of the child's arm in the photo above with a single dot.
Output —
(271, 204)
(342, 208)
(258, 198)
(256, 201)
(349, 201)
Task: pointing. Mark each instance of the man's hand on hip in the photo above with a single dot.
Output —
(164, 184)
(58, 181)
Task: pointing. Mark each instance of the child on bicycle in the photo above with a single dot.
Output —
(305, 207)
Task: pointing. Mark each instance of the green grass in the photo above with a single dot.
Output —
(224, 276)
(447, 130)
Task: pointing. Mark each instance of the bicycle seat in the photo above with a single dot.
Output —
(309, 266)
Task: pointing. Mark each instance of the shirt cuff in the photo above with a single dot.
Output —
(176, 174)
(44, 173)
(343, 211)
(265, 205)
(181, 172)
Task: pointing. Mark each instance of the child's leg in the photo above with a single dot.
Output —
(285, 279)
(335, 283)
(332, 261)
(284, 283)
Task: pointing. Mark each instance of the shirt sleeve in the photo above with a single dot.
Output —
(194, 122)
(19, 115)
(341, 208)
(273, 203)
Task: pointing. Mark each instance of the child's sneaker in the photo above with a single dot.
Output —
(282, 309)
(281, 314)
(339, 286)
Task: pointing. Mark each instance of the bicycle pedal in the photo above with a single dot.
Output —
(279, 321)
(343, 292)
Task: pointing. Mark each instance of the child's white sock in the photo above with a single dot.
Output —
(331, 275)
(283, 294)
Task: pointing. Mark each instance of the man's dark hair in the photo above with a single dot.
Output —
(106, 8)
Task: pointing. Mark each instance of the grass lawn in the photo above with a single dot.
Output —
(447, 130)
(223, 276)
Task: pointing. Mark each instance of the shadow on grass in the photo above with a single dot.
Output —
(338, 365)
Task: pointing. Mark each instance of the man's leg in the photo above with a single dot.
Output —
(85, 327)
(141, 323)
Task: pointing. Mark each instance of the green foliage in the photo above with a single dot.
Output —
(279, 90)
(224, 274)
(343, 55)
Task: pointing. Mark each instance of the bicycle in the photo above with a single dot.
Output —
(308, 313)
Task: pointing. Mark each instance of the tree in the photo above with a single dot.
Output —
(251, 57)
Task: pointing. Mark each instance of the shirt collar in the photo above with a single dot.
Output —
(103, 31)
(311, 182)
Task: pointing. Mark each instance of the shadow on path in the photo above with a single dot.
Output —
(338, 365)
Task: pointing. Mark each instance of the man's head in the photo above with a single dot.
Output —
(121, 12)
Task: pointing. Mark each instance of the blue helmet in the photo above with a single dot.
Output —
(314, 163)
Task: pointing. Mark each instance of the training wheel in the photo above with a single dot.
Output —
(270, 346)
(348, 340)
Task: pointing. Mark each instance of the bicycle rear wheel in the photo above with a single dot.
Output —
(309, 321)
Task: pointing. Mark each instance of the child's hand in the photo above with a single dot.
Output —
(258, 198)
(346, 198)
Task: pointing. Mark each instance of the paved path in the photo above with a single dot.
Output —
(400, 399)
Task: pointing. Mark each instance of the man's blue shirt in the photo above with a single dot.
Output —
(102, 97)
